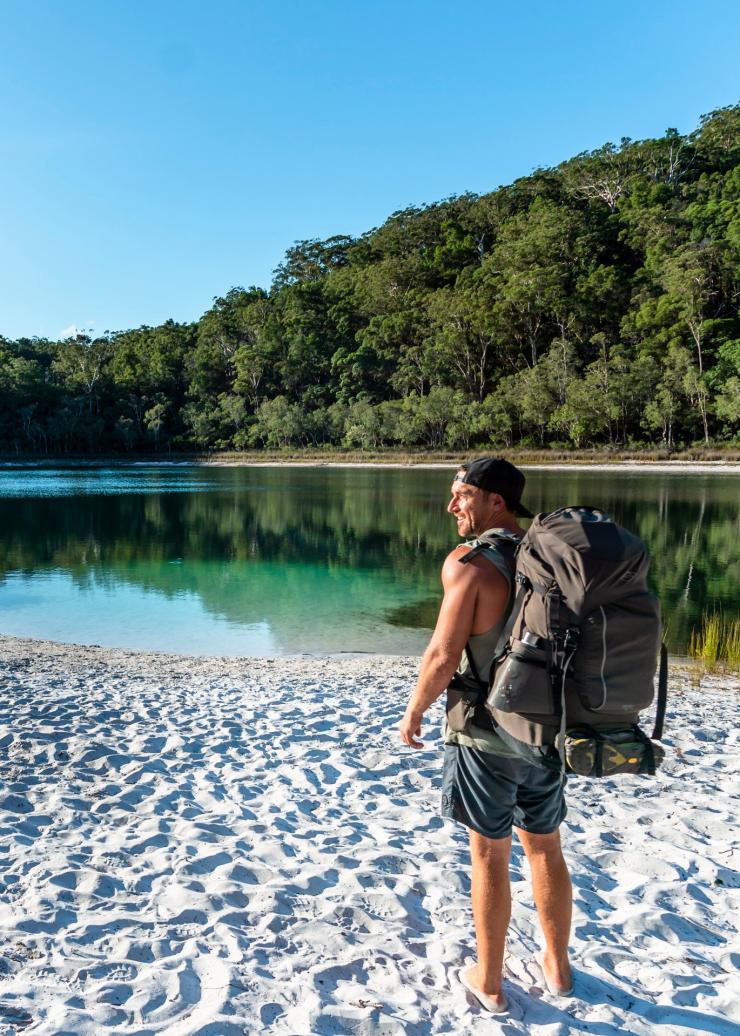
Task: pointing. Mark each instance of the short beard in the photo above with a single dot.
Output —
(467, 530)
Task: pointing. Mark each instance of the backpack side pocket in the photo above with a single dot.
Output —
(522, 682)
(464, 694)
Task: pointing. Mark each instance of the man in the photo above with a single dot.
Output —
(486, 786)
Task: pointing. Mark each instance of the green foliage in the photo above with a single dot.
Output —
(592, 304)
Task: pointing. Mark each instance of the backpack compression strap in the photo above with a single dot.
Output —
(563, 640)
(662, 694)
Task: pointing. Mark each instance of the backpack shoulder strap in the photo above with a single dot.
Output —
(500, 548)
(516, 606)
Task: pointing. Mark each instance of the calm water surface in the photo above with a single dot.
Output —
(240, 561)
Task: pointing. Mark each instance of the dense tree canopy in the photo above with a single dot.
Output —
(591, 304)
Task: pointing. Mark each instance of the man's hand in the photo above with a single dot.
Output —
(410, 728)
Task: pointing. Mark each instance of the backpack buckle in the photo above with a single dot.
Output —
(571, 638)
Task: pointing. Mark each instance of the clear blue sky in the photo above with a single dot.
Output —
(154, 154)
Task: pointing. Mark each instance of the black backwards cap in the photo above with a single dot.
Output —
(496, 475)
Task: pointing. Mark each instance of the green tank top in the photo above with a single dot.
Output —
(483, 648)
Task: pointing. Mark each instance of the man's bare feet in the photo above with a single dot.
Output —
(558, 977)
(494, 1003)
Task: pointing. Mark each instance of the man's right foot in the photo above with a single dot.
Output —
(494, 1003)
(558, 980)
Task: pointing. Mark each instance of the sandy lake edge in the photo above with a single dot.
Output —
(241, 846)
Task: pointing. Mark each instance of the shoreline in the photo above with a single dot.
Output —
(27, 650)
(717, 467)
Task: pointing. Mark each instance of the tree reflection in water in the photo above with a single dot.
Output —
(273, 545)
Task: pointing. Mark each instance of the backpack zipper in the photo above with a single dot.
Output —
(603, 659)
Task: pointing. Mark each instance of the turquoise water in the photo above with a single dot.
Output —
(269, 561)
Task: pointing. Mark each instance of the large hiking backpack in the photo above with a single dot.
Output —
(577, 658)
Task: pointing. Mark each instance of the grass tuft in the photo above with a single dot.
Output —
(732, 644)
(717, 642)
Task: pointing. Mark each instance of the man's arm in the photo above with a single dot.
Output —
(454, 625)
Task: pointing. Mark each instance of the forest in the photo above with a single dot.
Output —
(591, 305)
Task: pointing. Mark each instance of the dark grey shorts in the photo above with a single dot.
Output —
(490, 793)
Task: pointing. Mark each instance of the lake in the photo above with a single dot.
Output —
(283, 560)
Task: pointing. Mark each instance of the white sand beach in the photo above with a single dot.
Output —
(217, 847)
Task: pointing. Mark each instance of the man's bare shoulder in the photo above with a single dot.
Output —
(477, 570)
